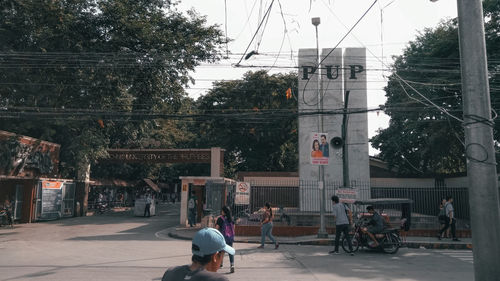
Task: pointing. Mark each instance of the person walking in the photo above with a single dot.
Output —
(442, 219)
(147, 209)
(450, 219)
(267, 227)
(225, 225)
(192, 203)
(208, 248)
(343, 218)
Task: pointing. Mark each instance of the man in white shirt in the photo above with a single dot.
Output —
(147, 209)
(450, 219)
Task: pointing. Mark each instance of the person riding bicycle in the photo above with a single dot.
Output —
(376, 225)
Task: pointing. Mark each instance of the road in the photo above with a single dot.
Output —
(119, 246)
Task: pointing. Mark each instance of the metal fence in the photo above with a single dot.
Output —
(297, 202)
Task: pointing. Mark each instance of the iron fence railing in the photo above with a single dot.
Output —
(298, 203)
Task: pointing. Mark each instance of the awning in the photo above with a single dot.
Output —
(152, 184)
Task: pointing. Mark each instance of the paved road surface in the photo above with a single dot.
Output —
(118, 246)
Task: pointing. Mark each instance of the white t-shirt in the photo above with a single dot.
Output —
(449, 208)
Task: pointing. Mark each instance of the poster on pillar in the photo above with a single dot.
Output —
(320, 151)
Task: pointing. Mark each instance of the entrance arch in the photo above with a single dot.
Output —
(213, 156)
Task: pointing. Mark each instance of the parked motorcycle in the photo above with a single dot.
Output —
(102, 207)
(389, 240)
(6, 218)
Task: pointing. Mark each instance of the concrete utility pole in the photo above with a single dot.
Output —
(322, 233)
(479, 147)
(345, 149)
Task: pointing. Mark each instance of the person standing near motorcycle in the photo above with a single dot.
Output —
(376, 225)
(343, 218)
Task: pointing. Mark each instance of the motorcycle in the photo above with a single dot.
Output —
(6, 218)
(102, 207)
(388, 240)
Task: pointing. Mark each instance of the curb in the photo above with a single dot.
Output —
(330, 242)
(439, 246)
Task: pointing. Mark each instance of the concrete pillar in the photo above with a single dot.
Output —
(332, 76)
(215, 162)
(357, 125)
(184, 200)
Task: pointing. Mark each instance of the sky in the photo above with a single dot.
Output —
(384, 31)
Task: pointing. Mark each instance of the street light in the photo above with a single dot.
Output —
(321, 177)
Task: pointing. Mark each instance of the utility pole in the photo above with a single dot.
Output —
(479, 147)
(345, 150)
(322, 233)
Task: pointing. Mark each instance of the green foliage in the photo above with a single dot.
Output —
(85, 63)
(421, 139)
(254, 121)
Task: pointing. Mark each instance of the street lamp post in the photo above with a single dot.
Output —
(321, 176)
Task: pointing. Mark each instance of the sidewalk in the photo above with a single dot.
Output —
(187, 233)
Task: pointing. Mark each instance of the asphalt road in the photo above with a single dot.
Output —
(119, 246)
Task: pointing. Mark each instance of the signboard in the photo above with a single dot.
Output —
(320, 150)
(159, 155)
(52, 184)
(347, 195)
(51, 199)
(242, 196)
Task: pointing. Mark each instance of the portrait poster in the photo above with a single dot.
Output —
(320, 149)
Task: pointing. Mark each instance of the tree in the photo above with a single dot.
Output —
(86, 74)
(253, 120)
(425, 134)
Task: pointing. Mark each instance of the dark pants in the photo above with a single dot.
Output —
(147, 210)
(448, 224)
(339, 229)
(192, 217)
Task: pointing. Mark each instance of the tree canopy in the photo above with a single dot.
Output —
(253, 120)
(91, 74)
(425, 134)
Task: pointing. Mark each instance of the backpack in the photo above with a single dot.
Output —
(227, 230)
(191, 203)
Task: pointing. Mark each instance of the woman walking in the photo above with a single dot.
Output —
(225, 225)
(267, 227)
(442, 219)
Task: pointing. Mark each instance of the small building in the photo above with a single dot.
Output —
(212, 194)
(29, 179)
